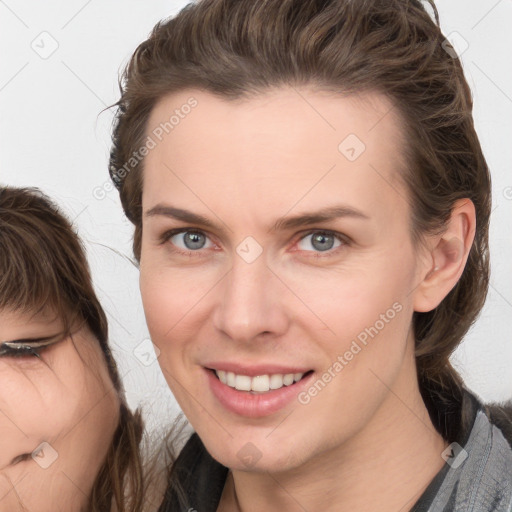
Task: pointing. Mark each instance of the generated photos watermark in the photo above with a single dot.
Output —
(357, 345)
(150, 143)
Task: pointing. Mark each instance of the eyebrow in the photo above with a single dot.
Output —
(283, 223)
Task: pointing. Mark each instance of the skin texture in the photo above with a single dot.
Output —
(365, 441)
(66, 399)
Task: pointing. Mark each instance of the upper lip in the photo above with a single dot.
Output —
(253, 370)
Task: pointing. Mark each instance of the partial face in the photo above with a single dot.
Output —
(58, 413)
(276, 258)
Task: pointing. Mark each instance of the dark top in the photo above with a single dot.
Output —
(477, 475)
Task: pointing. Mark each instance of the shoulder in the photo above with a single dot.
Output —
(500, 415)
(477, 475)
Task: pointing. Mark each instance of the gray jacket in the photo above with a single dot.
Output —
(477, 475)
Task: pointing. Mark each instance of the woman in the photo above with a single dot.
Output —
(311, 208)
(68, 440)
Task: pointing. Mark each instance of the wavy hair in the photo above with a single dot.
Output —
(241, 48)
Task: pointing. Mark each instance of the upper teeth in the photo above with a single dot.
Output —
(259, 383)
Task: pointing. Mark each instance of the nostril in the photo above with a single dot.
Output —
(21, 458)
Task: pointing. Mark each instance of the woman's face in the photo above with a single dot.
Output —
(58, 413)
(276, 245)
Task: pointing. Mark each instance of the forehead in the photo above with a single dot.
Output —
(286, 146)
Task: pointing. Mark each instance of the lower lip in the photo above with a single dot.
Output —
(258, 405)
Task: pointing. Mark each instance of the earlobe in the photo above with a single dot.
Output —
(448, 255)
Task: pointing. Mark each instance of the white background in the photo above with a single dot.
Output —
(54, 136)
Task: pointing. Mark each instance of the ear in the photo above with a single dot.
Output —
(446, 257)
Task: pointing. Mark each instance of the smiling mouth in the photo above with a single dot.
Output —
(259, 384)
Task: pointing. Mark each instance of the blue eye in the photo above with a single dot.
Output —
(189, 241)
(321, 241)
(186, 240)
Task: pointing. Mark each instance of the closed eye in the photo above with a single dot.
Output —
(28, 346)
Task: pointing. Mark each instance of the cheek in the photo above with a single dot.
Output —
(155, 295)
(85, 446)
(36, 406)
(176, 306)
(33, 401)
(159, 301)
(47, 400)
(365, 315)
(368, 314)
(44, 490)
(172, 297)
(344, 303)
(92, 400)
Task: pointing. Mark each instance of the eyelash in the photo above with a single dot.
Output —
(22, 351)
(345, 241)
(25, 348)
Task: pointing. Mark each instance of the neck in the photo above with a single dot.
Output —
(386, 466)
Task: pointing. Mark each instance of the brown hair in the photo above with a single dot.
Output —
(43, 265)
(239, 48)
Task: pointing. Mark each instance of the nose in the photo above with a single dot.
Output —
(16, 434)
(251, 303)
(13, 442)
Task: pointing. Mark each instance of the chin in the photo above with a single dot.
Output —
(250, 455)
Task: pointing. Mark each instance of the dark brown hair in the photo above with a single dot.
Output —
(239, 48)
(43, 265)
